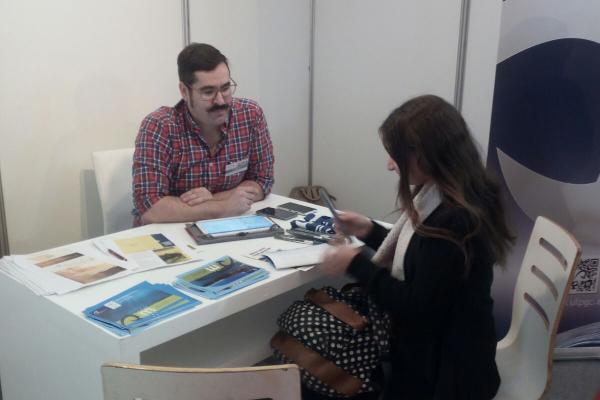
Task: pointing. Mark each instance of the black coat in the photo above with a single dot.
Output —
(444, 342)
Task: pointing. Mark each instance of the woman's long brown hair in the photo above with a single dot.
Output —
(436, 133)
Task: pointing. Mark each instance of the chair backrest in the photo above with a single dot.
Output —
(143, 382)
(114, 181)
(524, 356)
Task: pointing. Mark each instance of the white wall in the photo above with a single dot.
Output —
(76, 76)
(369, 58)
(480, 69)
(268, 45)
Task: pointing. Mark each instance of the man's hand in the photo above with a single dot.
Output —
(240, 199)
(196, 196)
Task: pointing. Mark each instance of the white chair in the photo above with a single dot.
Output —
(524, 356)
(114, 181)
(144, 382)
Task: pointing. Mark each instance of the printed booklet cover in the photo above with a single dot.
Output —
(220, 277)
(138, 307)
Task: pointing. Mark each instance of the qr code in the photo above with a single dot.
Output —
(586, 277)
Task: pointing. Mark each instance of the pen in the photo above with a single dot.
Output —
(114, 253)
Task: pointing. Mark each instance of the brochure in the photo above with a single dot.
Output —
(145, 251)
(220, 277)
(138, 307)
(303, 256)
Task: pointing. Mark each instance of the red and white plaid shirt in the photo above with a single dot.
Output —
(171, 156)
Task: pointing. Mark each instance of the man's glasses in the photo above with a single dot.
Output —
(209, 93)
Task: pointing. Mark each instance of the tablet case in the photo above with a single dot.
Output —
(202, 238)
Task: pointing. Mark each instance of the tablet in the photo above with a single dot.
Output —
(234, 225)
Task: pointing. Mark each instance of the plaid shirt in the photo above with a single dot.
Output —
(171, 156)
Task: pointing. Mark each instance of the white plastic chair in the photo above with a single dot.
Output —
(144, 382)
(524, 356)
(114, 181)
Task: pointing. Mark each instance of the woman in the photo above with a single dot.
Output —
(433, 270)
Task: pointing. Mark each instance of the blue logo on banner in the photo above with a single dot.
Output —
(547, 110)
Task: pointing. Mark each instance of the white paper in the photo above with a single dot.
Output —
(64, 269)
(300, 257)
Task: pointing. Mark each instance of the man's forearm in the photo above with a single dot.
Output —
(225, 194)
(260, 193)
(172, 209)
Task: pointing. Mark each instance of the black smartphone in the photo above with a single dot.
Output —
(278, 213)
(297, 208)
(328, 203)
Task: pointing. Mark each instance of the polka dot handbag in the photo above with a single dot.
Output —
(337, 337)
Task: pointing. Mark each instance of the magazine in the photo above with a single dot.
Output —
(220, 277)
(138, 307)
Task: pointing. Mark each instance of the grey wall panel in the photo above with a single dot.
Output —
(268, 45)
(369, 58)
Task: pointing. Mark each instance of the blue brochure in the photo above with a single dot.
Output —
(138, 307)
(220, 277)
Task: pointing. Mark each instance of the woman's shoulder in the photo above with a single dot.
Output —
(450, 217)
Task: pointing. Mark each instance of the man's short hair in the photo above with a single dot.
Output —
(198, 57)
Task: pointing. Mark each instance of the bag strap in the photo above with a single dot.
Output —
(338, 309)
(318, 366)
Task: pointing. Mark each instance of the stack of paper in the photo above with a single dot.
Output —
(139, 306)
(64, 269)
(220, 277)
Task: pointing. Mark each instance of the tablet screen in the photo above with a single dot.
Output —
(225, 226)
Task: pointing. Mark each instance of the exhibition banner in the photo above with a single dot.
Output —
(545, 145)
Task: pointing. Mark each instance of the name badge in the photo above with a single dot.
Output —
(236, 167)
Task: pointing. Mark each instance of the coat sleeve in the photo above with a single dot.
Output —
(376, 236)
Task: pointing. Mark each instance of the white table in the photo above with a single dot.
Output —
(49, 351)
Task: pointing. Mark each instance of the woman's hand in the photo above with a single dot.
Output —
(337, 259)
(351, 223)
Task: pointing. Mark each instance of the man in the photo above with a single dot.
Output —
(209, 156)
